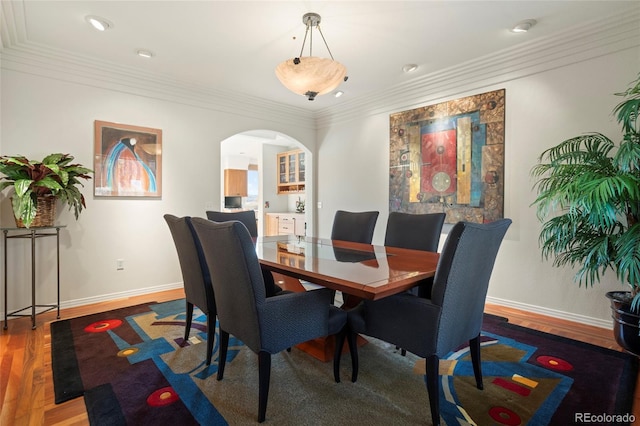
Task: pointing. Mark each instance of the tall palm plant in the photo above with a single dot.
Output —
(589, 201)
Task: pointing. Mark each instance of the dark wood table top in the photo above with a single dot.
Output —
(362, 270)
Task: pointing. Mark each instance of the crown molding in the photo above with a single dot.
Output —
(587, 41)
(10, 32)
(32, 59)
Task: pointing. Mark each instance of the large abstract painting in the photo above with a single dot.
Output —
(128, 160)
(449, 157)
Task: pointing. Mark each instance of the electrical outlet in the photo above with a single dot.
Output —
(119, 264)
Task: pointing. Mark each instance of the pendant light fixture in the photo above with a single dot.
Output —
(311, 75)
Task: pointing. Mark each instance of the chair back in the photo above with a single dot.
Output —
(414, 231)
(462, 279)
(247, 217)
(236, 276)
(357, 227)
(195, 273)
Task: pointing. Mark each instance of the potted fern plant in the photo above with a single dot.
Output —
(588, 198)
(37, 185)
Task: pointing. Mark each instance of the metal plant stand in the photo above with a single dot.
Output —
(33, 234)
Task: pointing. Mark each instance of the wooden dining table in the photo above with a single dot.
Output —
(361, 270)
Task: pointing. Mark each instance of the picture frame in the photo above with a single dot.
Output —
(127, 160)
(449, 157)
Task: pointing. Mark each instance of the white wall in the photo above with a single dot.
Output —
(238, 162)
(542, 110)
(42, 115)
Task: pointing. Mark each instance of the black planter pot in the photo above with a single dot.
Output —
(626, 324)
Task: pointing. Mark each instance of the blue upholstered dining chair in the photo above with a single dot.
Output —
(357, 227)
(247, 217)
(195, 276)
(431, 328)
(416, 232)
(266, 325)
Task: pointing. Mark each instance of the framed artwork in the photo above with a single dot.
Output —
(128, 161)
(449, 157)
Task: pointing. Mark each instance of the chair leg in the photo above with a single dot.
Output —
(353, 350)
(222, 360)
(403, 352)
(337, 355)
(433, 388)
(264, 374)
(476, 361)
(189, 317)
(211, 336)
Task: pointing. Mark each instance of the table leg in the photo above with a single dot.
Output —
(58, 267)
(4, 232)
(33, 279)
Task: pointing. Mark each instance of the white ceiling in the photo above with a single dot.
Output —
(234, 46)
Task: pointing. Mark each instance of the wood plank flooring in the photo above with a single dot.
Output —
(26, 384)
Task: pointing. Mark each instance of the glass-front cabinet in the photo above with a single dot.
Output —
(282, 169)
(291, 172)
(293, 167)
(301, 166)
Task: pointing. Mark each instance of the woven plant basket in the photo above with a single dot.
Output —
(45, 213)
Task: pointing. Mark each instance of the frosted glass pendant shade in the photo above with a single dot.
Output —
(312, 76)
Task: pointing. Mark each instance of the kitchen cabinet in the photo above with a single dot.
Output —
(291, 172)
(271, 224)
(235, 182)
(285, 224)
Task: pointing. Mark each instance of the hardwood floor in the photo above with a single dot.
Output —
(26, 384)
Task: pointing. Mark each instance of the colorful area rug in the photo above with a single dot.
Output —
(133, 367)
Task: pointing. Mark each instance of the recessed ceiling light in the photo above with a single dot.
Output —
(410, 68)
(523, 26)
(144, 53)
(98, 23)
(339, 93)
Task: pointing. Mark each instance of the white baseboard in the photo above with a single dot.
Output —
(582, 319)
(110, 296)
(120, 295)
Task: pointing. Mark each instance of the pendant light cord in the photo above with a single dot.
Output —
(325, 42)
(311, 40)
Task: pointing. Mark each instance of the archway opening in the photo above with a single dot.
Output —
(251, 178)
